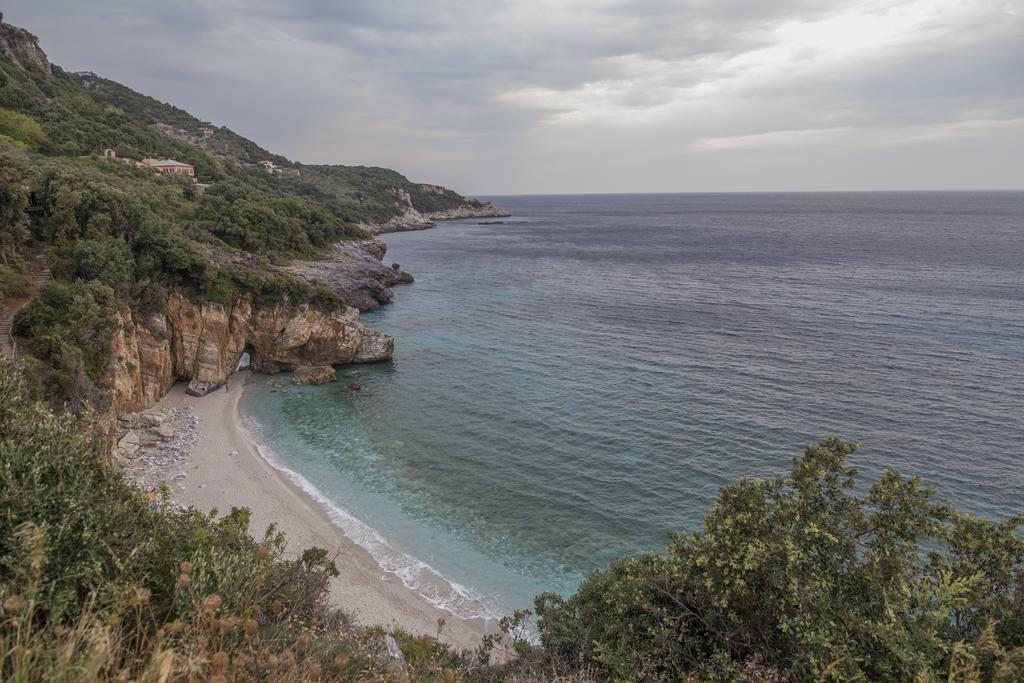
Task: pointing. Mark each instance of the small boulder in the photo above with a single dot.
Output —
(129, 444)
(314, 374)
(392, 658)
(197, 388)
(129, 439)
(150, 419)
(165, 431)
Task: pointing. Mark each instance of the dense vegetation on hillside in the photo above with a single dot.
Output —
(138, 234)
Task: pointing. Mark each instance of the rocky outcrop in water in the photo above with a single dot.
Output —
(485, 210)
(356, 272)
(320, 374)
(203, 343)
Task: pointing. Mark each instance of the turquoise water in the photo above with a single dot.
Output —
(568, 389)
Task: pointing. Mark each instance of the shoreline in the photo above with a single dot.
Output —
(225, 469)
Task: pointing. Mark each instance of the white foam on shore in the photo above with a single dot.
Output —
(415, 574)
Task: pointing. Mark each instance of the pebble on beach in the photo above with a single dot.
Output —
(152, 446)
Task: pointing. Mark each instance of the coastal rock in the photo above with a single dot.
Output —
(207, 340)
(320, 374)
(408, 219)
(411, 218)
(158, 460)
(355, 271)
(143, 366)
(284, 338)
(164, 431)
(204, 342)
(199, 388)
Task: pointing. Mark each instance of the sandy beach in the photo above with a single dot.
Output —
(217, 478)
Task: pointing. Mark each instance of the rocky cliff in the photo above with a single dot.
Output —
(21, 47)
(356, 272)
(203, 343)
(412, 218)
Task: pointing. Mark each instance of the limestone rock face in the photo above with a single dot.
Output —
(285, 338)
(319, 374)
(355, 271)
(22, 48)
(204, 342)
(412, 219)
(143, 367)
(408, 219)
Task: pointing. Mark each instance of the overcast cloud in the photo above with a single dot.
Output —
(585, 95)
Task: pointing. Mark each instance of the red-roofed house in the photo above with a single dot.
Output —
(170, 166)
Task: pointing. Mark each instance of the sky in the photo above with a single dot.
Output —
(567, 96)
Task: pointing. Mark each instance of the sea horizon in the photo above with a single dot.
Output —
(492, 195)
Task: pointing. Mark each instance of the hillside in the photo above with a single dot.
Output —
(149, 252)
(82, 114)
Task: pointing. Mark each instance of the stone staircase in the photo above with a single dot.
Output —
(7, 344)
(42, 273)
(40, 276)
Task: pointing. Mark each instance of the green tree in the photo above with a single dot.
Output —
(24, 129)
(70, 328)
(106, 259)
(13, 201)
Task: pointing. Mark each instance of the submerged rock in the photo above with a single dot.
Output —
(314, 374)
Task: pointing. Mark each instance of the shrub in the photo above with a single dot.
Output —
(13, 283)
(70, 327)
(22, 128)
(803, 577)
(105, 259)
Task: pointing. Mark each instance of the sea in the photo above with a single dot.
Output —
(578, 381)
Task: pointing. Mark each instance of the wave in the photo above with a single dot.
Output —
(415, 574)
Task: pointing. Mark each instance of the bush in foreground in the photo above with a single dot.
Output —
(800, 578)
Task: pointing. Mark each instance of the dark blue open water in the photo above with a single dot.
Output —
(568, 389)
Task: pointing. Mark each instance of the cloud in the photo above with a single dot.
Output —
(555, 95)
(849, 136)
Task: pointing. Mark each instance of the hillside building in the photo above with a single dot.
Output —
(170, 166)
